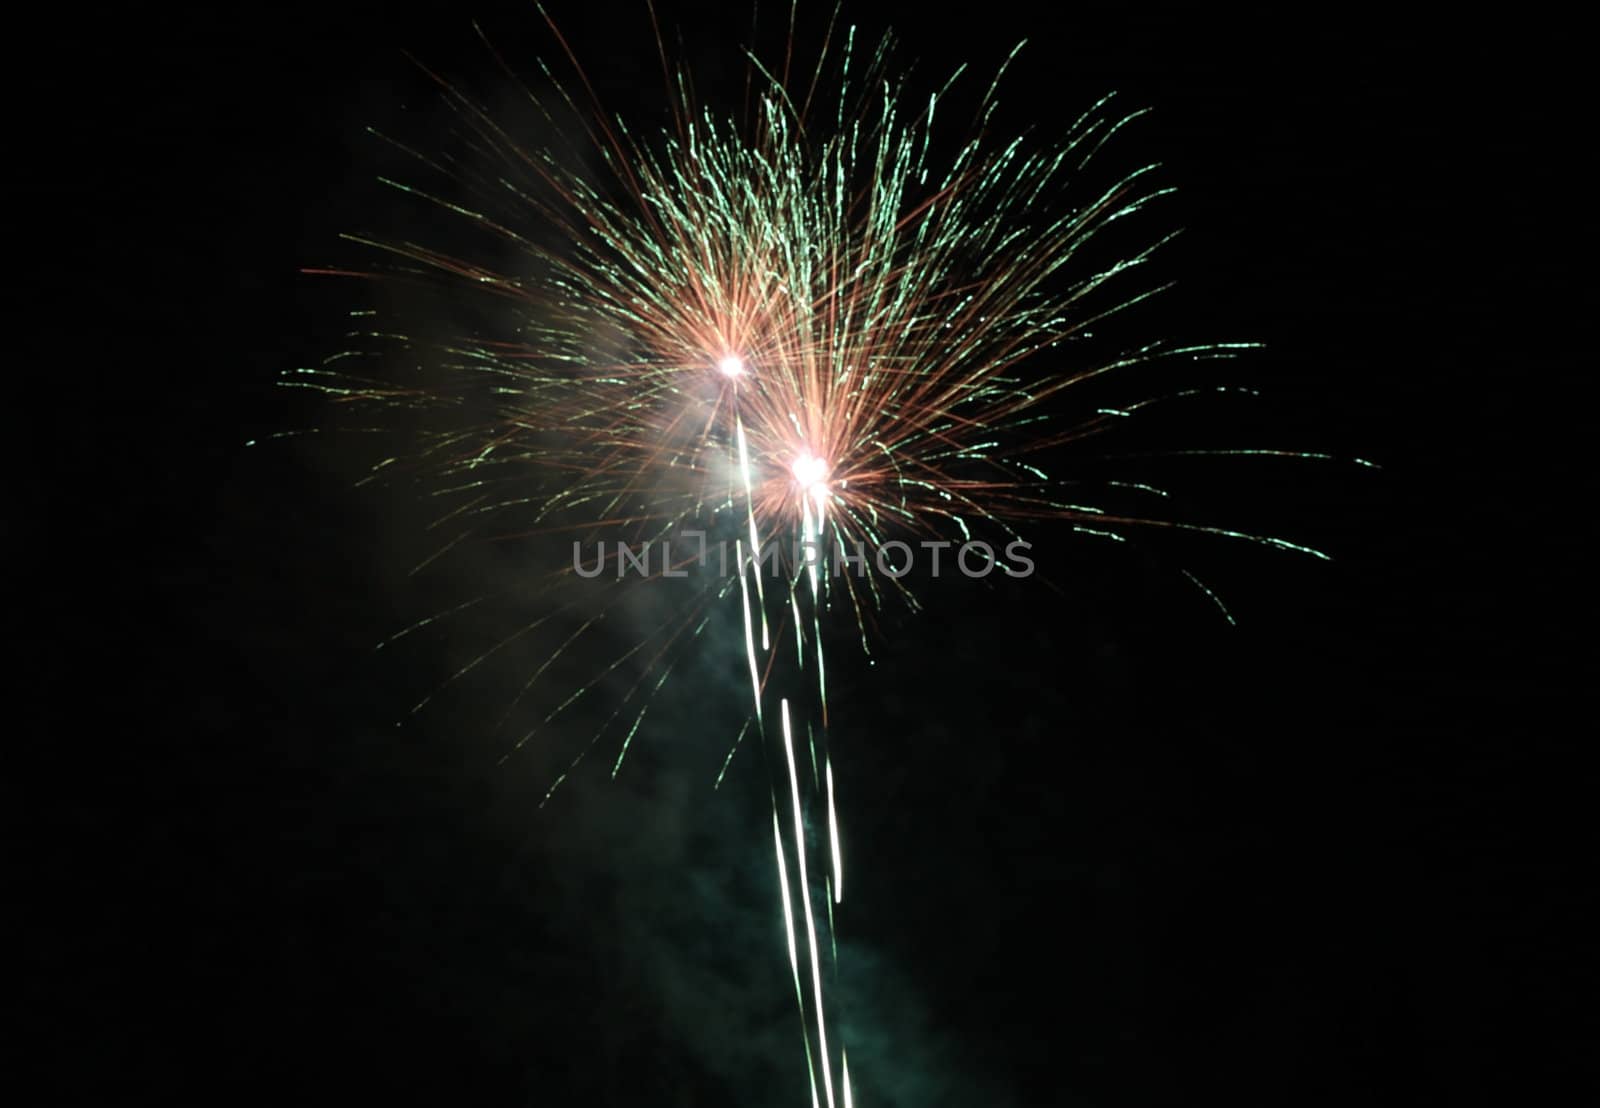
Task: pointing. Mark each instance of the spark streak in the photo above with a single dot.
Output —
(805, 895)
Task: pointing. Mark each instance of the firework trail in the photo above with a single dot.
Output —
(823, 325)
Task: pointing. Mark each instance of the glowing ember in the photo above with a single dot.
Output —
(811, 472)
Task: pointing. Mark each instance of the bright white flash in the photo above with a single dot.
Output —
(731, 366)
(811, 472)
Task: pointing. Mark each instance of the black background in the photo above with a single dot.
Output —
(1106, 849)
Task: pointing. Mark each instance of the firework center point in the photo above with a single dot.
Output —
(811, 472)
(731, 366)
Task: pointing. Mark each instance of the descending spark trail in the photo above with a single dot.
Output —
(805, 897)
(809, 474)
(813, 327)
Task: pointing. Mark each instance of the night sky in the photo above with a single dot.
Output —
(1103, 849)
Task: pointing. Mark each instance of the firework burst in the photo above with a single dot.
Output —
(825, 322)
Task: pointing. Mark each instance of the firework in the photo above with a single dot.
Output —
(827, 323)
